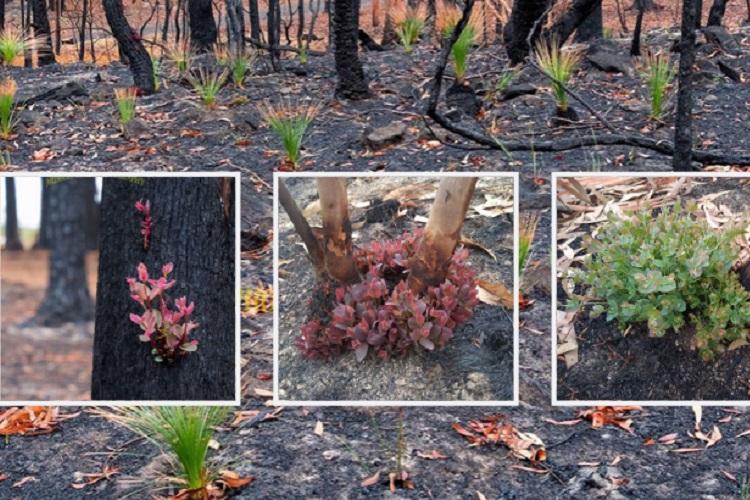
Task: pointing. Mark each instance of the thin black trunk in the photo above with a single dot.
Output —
(2, 14)
(635, 46)
(698, 13)
(591, 27)
(352, 83)
(716, 14)
(521, 21)
(203, 31)
(255, 31)
(82, 30)
(130, 46)
(683, 133)
(274, 31)
(235, 26)
(42, 32)
(190, 230)
(12, 240)
(167, 18)
(58, 26)
(300, 21)
(67, 298)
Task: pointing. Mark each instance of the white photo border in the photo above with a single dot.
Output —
(553, 261)
(237, 176)
(394, 403)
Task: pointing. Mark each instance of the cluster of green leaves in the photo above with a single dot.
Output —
(207, 85)
(667, 270)
(7, 107)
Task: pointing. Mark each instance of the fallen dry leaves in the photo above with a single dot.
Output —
(496, 430)
(432, 455)
(89, 478)
(609, 415)
(495, 294)
(31, 420)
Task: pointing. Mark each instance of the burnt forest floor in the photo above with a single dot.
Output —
(286, 456)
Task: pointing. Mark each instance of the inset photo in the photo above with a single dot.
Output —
(119, 288)
(395, 289)
(652, 298)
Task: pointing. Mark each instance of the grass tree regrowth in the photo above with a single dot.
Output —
(183, 434)
(559, 64)
(7, 107)
(207, 85)
(125, 100)
(409, 25)
(289, 122)
(657, 75)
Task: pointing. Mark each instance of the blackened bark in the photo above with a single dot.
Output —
(203, 30)
(131, 46)
(191, 230)
(352, 83)
(82, 30)
(698, 13)
(12, 240)
(300, 21)
(522, 18)
(716, 14)
(574, 16)
(2, 15)
(167, 18)
(67, 298)
(683, 133)
(42, 239)
(42, 31)
(91, 226)
(635, 46)
(390, 37)
(591, 27)
(255, 32)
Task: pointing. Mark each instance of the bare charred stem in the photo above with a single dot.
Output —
(337, 229)
(314, 248)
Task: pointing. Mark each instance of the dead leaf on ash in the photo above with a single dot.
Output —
(496, 430)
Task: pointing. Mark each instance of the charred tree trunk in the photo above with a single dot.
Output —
(522, 18)
(716, 14)
(255, 31)
(698, 13)
(12, 240)
(337, 230)
(236, 26)
(683, 133)
(352, 83)
(191, 230)
(591, 27)
(131, 46)
(91, 227)
(430, 264)
(312, 243)
(635, 46)
(389, 27)
(42, 31)
(67, 298)
(82, 30)
(274, 32)
(578, 12)
(42, 239)
(2, 15)
(203, 31)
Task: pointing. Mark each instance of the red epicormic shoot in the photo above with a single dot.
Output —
(166, 329)
(145, 209)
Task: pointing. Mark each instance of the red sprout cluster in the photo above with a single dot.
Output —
(382, 315)
(165, 329)
(145, 209)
